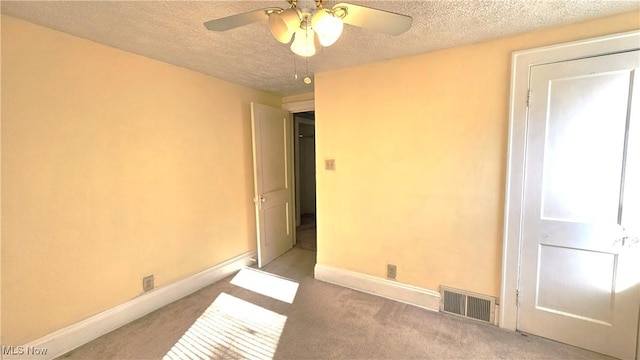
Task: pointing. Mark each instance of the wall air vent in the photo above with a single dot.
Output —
(467, 304)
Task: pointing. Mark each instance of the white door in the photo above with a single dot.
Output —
(272, 165)
(579, 265)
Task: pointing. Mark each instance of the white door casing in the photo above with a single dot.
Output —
(522, 61)
(578, 281)
(307, 166)
(298, 123)
(272, 168)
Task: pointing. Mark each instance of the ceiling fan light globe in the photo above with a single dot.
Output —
(284, 24)
(328, 27)
(316, 42)
(304, 43)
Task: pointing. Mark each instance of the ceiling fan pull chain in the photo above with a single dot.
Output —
(307, 79)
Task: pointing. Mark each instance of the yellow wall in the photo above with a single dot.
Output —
(114, 166)
(297, 98)
(420, 148)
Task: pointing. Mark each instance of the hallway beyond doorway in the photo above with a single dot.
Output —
(306, 232)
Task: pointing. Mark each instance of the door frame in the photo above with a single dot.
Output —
(292, 108)
(521, 63)
(296, 157)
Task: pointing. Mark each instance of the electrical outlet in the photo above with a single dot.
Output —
(391, 271)
(330, 164)
(147, 283)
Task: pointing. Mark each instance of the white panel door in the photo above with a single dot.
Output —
(272, 165)
(580, 258)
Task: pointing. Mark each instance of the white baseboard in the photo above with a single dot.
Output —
(409, 294)
(64, 340)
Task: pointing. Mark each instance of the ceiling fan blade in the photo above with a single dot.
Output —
(234, 21)
(375, 19)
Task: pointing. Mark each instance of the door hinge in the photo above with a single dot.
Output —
(528, 97)
(517, 297)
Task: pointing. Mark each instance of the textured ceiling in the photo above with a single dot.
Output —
(173, 32)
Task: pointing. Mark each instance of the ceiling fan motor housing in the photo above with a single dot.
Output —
(307, 4)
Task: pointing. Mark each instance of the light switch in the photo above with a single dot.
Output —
(330, 164)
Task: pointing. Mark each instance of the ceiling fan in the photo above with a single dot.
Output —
(312, 26)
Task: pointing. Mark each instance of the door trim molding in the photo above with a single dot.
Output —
(299, 106)
(292, 108)
(296, 155)
(521, 63)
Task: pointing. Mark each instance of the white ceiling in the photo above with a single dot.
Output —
(172, 32)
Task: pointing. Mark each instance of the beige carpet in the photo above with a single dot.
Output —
(324, 321)
(306, 232)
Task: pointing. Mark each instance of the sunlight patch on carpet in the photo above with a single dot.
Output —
(266, 284)
(231, 328)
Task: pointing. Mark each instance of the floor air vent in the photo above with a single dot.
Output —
(467, 304)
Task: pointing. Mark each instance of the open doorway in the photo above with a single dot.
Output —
(305, 178)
